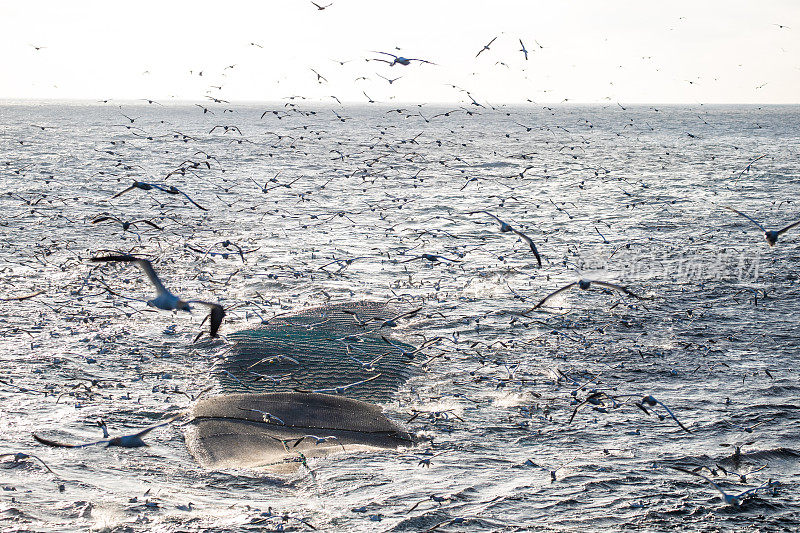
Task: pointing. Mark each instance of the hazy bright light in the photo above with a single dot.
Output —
(592, 51)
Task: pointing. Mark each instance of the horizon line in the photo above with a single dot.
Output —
(288, 99)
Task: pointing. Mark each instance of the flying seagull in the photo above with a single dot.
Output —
(585, 284)
(650, 401)
(771, 235)
(150, 186)
(342, 389)
(523, 50)
(390, 80)
(164, 299)
(320, 77)
(415, 351)
(20, 456)
(22, 298)
(318, 440)
(749, 165)
(167, 301)
(268, 418)
(125, 224)
(432, 258)
(385, 322)
(505, 228)
(214, 318)
(730, 499)
(400, 59)
(486, 46)
(392, 322)
(125, 441)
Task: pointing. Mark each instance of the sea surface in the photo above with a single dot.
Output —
(527, 419)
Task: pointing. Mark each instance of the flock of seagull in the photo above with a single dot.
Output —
(165, 300)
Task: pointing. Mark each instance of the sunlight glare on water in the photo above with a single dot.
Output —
(632, 196)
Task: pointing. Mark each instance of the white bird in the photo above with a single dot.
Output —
(164, 299)
(770, 235)
(343, 388)
(272, 359)
(20, 456)
(506, 227)
(432, 258)
(167, 301)
(749, 165)
(585, 284)
(318, 440)
(424, 458)
(650, 401)
(412, 353)
(268, 418)
(385, 322)
(369, 365)
(390, 80)
(125, 441)
(730, 499)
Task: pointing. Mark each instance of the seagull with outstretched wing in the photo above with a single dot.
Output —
(730, 499)
(770, 235)
(505, 227)
(164, 300)
(486, 46)
(650, 401)
(523, 50)
(214, 317)
(20, 456)
(585, 284)
(126, 441)
(318, 440)
(400, 59)
(150, 186)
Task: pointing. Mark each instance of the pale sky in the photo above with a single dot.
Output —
(698, 51)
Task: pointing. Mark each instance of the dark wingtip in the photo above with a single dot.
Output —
(118, 257)
(46, 442)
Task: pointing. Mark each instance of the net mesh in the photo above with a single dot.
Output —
(234, 431)
(324, 349)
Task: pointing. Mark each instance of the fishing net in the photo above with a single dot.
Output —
(300, 378)
(321, 349)
(279, 431)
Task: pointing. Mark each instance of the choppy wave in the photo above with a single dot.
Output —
(343, 212)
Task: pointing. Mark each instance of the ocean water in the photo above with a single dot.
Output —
(531, 419)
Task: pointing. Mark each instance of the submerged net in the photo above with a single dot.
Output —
(322, 349)
(279, 431)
